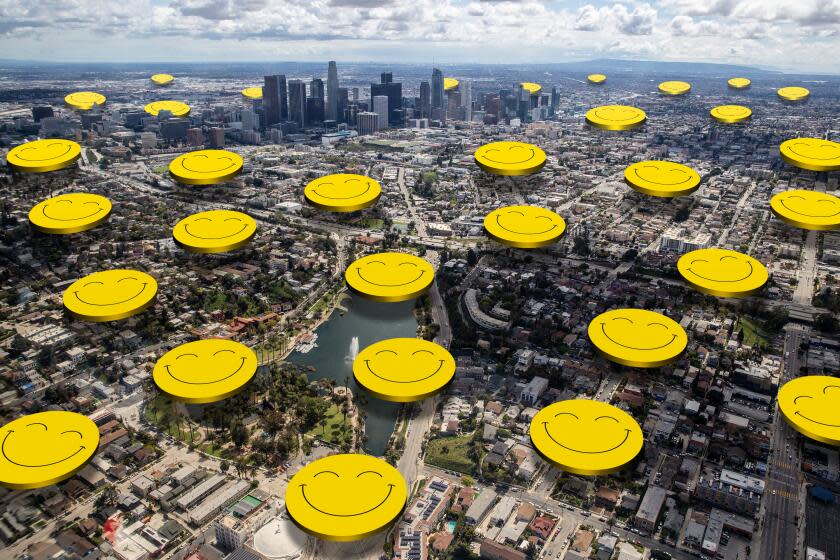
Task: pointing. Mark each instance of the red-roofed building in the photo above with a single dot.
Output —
(542, 526)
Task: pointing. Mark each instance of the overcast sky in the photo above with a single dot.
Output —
(793, 35)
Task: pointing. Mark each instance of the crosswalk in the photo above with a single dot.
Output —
(788, 495)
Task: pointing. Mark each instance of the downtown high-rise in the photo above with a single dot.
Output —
(275, 103)
(437, 89)
(332, 91)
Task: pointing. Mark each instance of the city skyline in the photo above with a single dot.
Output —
(778, 34)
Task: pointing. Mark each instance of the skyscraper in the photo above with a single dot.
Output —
(437, 88)
(315, 102)
(297, 102)
(380, 107)
(466, 99)
(393, 91)
(425, 100)
(274, 99)
(332, 91)
(343, 103)
(367, 122)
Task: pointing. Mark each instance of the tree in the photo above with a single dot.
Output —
(472, 258)
(826, 322)
(580, 246)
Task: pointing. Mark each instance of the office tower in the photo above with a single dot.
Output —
(195, 137)
(332, 91)
(343, 103)
(297, 102)
(355, 97)
(41, 111)
(350, 114)
(386, 77)
(250, 120)
(425, 100)
(275, 102)
(437, 88)
(466, 99)
(453, 103)
(380, 107)
(393, 91)
(217, 137)
(174, 129)
(315, 102)
(553, 100)
(368, 122)
(316, 88)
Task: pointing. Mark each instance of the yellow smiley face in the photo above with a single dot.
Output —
(177, 108)
(162, 79)
(346, 497)
(84, 100)
(390, 276)
(596, 78)
(665, 179)
(252, 92)
(531, 87)
(404, 369)
(731, 113)
(525, 227)
(810, 404)
(793, 93)
(637, 337)
(45, 448)
(739, 83)
(674, 87)
(214, 231)
(450, 84)
(586, 437)
(206, 167)
(70, 213)
(615, 117)
(814, 154)
(40, 156)
(110, 295)
(205, 371)
(722, 273)
(510, 158)
(807, 209)
(342, 192)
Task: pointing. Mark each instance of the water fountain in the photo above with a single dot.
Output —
(354, 350)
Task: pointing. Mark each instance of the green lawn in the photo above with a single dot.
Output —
(754, 335)
(335, 431)
(450, 453)
(371, 223)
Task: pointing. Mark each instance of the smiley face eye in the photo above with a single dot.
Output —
(38, 424)
(187, 354)
(376, 262)
(327, 472)
(610, 417)
(224, 350)
(827, 387)
(516, 212)
(369, 472)
(658, 325)
(126, 278)
(698, 260)
(383, 351)
(622, 319)
(426, 351)
(804, 397)
(569, 413)
(91, 283)
(728, 257)
(411, 263)
(73, 432)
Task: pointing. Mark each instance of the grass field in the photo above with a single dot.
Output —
(754, 335)
(335, 430)
(450, 453)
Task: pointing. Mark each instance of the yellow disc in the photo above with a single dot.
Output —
(793, 93)
(665, 179)
(510, 158)
(525, 227)
(616, 117)
(346, 497)
(177, 108)
(84, 100)
(810, 405)
(45, 448)
(674, 87)
(596, 78)
(731, 113)
(722, 273)
(205, 371)
(389, 276)
(807, 209)
(40, 156)
(110, 295)
(162, 79)
(450, 83)
(342, 192)
(206, 167)
(531, 87)
(404, 369)
(70, 213)
(814, 154)
(252, 92)
(586, 437)
(739, 83)
(214, 231)
(637, 337)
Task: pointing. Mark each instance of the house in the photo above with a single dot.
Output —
(542, 526)
(606, 498)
